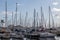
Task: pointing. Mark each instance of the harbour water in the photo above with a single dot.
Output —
(57, 38)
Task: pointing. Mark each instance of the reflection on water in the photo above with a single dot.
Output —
(11, 39)
(57, 38)
(24, 39)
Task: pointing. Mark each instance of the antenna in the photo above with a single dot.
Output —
(6, 13)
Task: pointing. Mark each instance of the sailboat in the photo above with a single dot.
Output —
(35, 35)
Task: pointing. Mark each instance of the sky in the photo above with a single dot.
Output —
(29, 6)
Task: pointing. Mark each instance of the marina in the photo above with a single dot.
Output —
(22, 24)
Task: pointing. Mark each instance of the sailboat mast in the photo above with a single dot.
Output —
(52, 22)
(16, 14)
(6, 13)
(26, 19)
(45, 23)
(49, 16)
(52, 19)
(37, 20)
(34, 19)
(12, 18)
(42, 17)
(20, 18)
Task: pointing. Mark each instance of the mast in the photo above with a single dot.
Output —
(20, 18)
(34, 20)
(16, 15)
(52, 22)
(37, 20)
(49, 16)
(45, 23)
(26, 19)
(52, 18)
(12, 18)
(6, 13)
(42, 18)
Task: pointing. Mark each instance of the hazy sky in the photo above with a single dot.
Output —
(29, 5)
